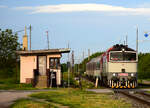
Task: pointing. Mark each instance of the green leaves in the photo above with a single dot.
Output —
(8, 46)
(144, 66)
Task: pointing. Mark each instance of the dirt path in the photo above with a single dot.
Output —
(7, 97)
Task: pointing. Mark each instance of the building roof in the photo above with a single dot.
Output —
(48, 51)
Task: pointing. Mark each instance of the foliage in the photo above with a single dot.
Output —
(64, 67)
(8, 47)
(75, 98)
(144, 66)
(71, 79)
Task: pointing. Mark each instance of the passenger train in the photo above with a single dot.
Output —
(115, 68)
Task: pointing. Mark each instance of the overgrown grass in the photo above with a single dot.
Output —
(16, 87)
(75, 83)
(75, 98)
(28, 103)
(10, 83)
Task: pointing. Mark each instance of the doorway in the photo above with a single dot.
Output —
(52, 80)
(42, 65)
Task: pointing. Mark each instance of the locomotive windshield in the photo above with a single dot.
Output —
(123, 56)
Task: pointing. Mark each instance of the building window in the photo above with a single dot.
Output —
(54, 63)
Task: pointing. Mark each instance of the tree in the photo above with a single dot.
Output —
(8, 47)
(144, 66)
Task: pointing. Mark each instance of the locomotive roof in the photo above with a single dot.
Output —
(118, 47)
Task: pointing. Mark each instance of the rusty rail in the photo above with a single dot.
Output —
(143, 101)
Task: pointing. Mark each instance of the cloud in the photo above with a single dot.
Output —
(2, 6)
(86, 7)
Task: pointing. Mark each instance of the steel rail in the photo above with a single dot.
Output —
(145, 94)
(136, 98)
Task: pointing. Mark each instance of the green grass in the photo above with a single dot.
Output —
(10, 83)
(28, 103)
(16, 87)
(74, 83)
(148, 92)
(75, 98)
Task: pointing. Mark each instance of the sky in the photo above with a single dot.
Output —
(84, 24)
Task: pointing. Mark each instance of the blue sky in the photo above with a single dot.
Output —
(85, 24)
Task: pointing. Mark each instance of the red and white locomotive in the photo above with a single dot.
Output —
(116, 68)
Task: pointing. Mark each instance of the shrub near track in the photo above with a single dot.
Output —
(75, 98)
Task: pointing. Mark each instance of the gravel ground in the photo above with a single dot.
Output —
(134, 103)
(101, 90)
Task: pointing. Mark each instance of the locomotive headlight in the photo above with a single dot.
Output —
(123, 49)
(132, 74)
(114, 74)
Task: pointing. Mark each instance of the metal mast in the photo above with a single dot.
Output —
(68, 68)
(47, 39)
(137, 42)
(126, 39)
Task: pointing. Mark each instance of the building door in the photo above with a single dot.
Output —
(53, 79)
(42, 65)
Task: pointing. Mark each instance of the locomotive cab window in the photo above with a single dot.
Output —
(123, 56)
(54, 63)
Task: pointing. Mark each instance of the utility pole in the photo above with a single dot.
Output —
(126, 39)
(68, 68)
(30, 37)
(83, 63)
(124, 42)
(83, 55)
(72, 62)
(88, 54)
(137, 42)
(47, 39)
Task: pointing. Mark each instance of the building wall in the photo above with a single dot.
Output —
(27, 63)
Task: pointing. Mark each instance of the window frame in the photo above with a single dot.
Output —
(122, 60)
(54, 63)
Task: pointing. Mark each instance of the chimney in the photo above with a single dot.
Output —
(25, 41)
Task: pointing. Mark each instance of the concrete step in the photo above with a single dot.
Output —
(41, 82)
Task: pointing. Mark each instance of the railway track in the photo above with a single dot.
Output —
(140, 96)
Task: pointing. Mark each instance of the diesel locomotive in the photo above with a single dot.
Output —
(115, 68)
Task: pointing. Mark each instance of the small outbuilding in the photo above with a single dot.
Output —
(41, 67)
